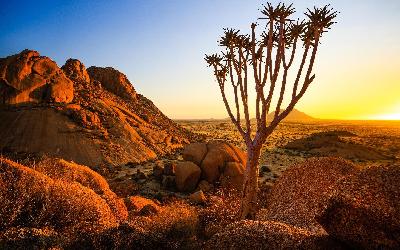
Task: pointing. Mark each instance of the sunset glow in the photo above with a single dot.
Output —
(388, 117)
(357, 69)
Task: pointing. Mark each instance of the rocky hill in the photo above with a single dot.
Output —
(294, 116)
(93, 117)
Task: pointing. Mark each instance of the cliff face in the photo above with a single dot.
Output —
(104, 123)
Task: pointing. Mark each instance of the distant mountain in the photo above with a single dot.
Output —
(295, 115)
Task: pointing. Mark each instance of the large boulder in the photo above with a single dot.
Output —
(195, 152)
(29, 77)
(75, 70)
(187, 175)
(112, 80)
(32, 199)
(267, 235)
(365, 212)
(219, 161)
(232, 175)
(301, 194)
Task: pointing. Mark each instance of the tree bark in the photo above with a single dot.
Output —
(250, 186)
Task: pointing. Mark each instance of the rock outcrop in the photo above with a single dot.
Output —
(29, 77)
(107, 124)
(112, 80)
(219, 162)
(75, 70)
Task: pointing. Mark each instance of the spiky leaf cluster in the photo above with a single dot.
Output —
(279, 13)
(319, 21)
(232, 39)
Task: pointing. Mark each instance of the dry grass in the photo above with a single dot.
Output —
(267, 235)
(303, 191)
(173, 227)
(365, 212)
(221, 210)
(32, 199)
(64, 211)
(60, 169)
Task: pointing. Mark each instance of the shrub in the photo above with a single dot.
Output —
(60, 169)
(173, 227)
(32, 199)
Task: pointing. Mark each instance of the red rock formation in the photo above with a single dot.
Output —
(219, 161)
(112, 80)
(107, 123)
(75, 70)
(29, 77)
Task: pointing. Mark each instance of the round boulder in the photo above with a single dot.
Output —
(233, 175)
(195, 152)
(213, 157)
(187, 175)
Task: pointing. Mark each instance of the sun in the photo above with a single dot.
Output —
(389, 117)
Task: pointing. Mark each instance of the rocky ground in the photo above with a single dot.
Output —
(355, 141)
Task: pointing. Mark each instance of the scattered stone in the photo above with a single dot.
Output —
(205, 186)
(198, 197)
(149, 210)
(158, 171)
(137, 203)
(265, 169)
(168, 182)
(169, 168)
(187, 176)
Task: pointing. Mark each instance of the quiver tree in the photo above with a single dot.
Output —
(261, 59)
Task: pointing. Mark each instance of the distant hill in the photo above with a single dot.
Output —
(295, 115)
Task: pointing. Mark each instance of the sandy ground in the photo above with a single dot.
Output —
(382, 136)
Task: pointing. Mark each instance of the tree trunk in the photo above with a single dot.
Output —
(250, 185)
